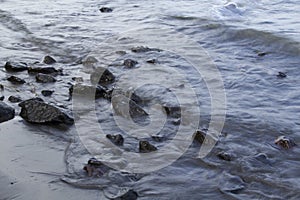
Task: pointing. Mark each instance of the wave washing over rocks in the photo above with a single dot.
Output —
(57, 72)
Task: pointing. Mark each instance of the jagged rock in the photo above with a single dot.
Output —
(47, 93)
(146, 147)
(116, 139)
(199, 136)
(44, 78)
(15, 67)
(102, 76)
(6, 112)
(106, 10)
(14, 99)
(130, 63)
(44, 70)
(49, 60)
(37, 111)
(16, 80)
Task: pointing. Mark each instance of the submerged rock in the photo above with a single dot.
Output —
(130, 195)
(47, 93)
(284, 142)
(224, 156)
(142, 49)
(146, 147)
(6, 112)
(15, 67)
(152, 61)
(130, 63)
(37, 111)
(16, 80)
(90, 91)
(44, 78)
(281, 75)
(49, 60)
(106, 10)
(102, 76)
(93, 167)
(116, 139)
(14, 99)
(44, 70)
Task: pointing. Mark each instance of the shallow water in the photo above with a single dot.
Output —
(230, 35)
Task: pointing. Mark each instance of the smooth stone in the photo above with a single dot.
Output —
(47, 93)
(16, 80)
(49, 60)
(14, 99)
(106, 10)
(152, 61)
(37, 111)
(2, 98)
(15, 67)
(44, 78)
(44, 70)
(6, 112)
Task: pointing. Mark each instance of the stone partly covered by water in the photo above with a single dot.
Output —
(6, 112)
(15, 67)
(102, 76)
(37, 111)
(49, 60)
(44, 78)
(44, 70)
(14, 99)
(16, 80)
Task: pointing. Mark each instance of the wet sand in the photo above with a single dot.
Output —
(31, 166)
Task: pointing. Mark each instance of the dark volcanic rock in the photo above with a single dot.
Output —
(44, 78)
(116, 139)
(15, 67)
(142, 49)
(130, 63)
(36, 111)
(2, 98)
(16, 80)
(14, 99)
(44, 70)
(47, 93)
(6, 112)
(49, 60)
(146, 147)
(1, 87)
(106, 10)
(102, 76)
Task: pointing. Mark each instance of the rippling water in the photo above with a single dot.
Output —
(259, 105)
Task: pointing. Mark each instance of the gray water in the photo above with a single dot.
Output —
(259, 105)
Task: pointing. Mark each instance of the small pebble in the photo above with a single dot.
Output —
(14, 99)
(47, 93)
